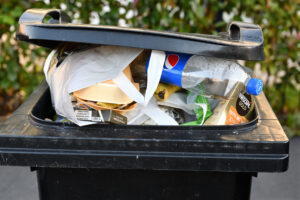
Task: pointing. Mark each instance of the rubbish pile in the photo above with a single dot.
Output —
(121, 85)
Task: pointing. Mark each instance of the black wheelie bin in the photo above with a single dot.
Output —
(141, 162)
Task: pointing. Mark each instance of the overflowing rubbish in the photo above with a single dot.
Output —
(129, 86)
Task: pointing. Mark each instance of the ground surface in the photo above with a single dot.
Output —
(280, 186)
(19, 183)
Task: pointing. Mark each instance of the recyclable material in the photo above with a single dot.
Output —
(202, 108)
(85, 68)
(164, 90)
(119, 108)
(84, 112)
(138, 66)
(107, 95)
(104, 85)
(218, 76)
(236, 110)
(105, 116)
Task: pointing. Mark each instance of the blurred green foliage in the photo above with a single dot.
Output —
(21, 63)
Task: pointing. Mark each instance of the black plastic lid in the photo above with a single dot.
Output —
(243, 41)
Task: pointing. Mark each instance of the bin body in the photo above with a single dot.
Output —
(58, 183)
(141, 162)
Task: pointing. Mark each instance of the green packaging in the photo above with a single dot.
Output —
(201, 109)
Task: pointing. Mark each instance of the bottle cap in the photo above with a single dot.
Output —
(254, 86)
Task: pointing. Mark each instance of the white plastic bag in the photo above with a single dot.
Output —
(86, 68)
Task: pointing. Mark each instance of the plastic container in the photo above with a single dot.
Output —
(141, 162)
(207, 75)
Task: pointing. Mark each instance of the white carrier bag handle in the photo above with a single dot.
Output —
(150, 107)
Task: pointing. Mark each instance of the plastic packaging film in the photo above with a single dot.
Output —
(85, 68)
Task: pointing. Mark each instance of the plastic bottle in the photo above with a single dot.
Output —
(218, 76)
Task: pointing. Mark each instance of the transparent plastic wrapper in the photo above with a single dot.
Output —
(85, 68)
(202, 108)
(178, 100)
(176, 114)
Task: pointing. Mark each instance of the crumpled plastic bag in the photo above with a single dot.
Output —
(85, 68)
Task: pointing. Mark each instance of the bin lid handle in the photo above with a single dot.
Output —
(39, 15)
(242, 31)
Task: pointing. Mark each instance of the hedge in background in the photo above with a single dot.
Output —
(21, 63)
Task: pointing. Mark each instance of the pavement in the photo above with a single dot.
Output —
(280, 186)
(19, 183)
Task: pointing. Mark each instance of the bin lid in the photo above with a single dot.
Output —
(242, 41)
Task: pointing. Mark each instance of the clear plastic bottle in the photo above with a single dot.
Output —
(218, 76)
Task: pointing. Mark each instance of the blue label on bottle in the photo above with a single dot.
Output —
(173, 67)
